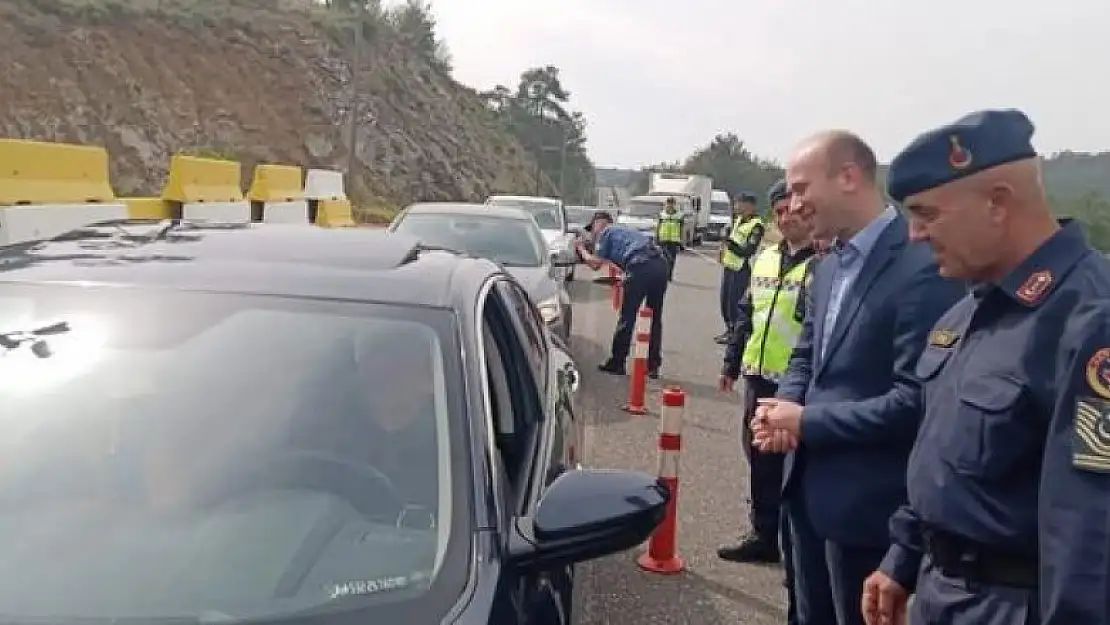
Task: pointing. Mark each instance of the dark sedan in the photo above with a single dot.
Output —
(286, 424)
(508, 236)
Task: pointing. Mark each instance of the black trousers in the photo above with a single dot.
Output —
(645, 283)
(733, 286)
(671, 249)
(765, 469)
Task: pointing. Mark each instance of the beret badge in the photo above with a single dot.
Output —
(959, 157)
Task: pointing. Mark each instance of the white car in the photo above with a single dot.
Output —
(551, 216)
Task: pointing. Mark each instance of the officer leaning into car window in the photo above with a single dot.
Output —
(647, 272)
(1008, 514)
(742, 243)
(668, 231)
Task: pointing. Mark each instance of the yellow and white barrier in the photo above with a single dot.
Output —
(276, 195)
(327, 199)
(49, 188)
(205, 188)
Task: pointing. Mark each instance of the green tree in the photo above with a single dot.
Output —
(537, 114)
(416, 27)
(732, 166)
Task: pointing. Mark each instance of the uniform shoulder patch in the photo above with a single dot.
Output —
(943, 338)
(1097, 372)
(1091, 441)
(1035, 286)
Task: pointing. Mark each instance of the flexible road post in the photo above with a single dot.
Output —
(637, 379)
(662, 553)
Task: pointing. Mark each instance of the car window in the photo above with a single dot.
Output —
(510, 242)
(530, 329)
(512, 385)
(258, 456)
(546, 214)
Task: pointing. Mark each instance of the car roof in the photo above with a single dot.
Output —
(478, 210)
(533, 198)
(297, 260)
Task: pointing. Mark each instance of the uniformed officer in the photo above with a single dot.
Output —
(742, 243)
(1008, 519)
(646, 272)
(668, 232)
(769, 323)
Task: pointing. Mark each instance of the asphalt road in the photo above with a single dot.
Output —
(712, 505)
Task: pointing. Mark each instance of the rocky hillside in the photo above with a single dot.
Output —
(254, 80)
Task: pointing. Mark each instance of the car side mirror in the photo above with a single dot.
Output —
(587, 514)
(575, 229)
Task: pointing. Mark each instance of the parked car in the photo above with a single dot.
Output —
(551, 216)
(507, 236)
(579, 217)
(261, 422)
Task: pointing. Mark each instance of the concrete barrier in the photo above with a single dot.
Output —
(276, 195)
(148, 207)
(49, 188)
(205, 188)
(327, 199)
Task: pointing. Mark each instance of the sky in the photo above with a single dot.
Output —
(656, 79)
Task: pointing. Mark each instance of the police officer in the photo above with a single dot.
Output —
(668, 232)
(742, 243)
(647, 273)
(768, 325)
(1008, 518)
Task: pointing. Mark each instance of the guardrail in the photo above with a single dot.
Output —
(49, 188)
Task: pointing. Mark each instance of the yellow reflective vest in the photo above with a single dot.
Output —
(669, 229)
(776, 322)
(738, 235)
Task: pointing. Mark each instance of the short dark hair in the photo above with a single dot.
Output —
(843, 147)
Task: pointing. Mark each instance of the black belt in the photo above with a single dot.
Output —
(978, 563)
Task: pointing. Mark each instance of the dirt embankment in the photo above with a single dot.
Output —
(251, 80)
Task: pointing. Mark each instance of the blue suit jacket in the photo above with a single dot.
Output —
(862, 401)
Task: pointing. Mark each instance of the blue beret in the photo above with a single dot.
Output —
(967, 146)
(777, 192)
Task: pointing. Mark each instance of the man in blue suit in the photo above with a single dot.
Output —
(849, 405)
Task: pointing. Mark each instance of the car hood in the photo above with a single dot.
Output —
(554, 239)
(535, 281)
(636, 222)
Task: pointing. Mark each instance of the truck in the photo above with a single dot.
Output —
(720, 216)
(696, 190)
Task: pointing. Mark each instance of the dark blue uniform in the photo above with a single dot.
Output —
(647, 272)
(1008, 519)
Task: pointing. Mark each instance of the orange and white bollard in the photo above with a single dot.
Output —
(618, 288)
(662, 553)
(637, 379)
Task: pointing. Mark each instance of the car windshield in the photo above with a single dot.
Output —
(579, 216)
(720, 208)
(202, 456)
(512, 242)
(644, 209)
(546, 214)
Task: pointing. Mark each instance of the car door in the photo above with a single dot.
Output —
(533, 453)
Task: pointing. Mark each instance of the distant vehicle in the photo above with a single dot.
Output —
(698, 190)
(642, 213)
(720, 216)
(507, 236)
(578, 217)
(282, 423)
(551, 216)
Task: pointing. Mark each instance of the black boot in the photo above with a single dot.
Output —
(615, 368)
(752, 548)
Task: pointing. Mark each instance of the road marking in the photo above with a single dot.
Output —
(702, 255)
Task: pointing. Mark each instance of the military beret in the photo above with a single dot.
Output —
(971, 144)
(777, 192)
(747, 197)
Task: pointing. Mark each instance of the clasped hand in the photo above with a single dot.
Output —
(776, 426)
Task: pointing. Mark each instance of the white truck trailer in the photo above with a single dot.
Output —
(697, 191)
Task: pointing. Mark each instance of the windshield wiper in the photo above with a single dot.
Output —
(39, 347)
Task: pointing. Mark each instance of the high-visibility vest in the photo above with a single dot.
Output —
(775, 326)
(670, 227)
(739, 235)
